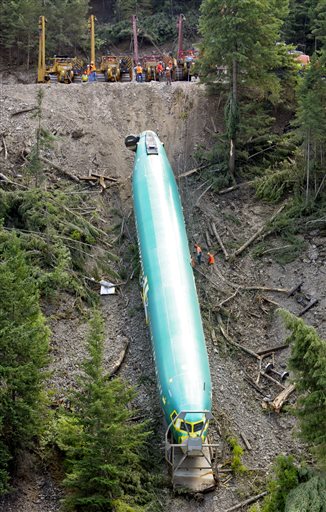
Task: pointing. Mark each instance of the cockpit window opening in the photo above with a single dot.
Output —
(198, 426)
(185, 426)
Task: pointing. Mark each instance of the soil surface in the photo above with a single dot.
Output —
(90, 122)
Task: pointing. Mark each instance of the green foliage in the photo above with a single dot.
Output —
(311, 118)
(275, 185)
(309, 496)
(66, 27)
(241, 37)
(237, 466)
(299, 24)
(308, 362)
(285, 478)
(293, 488)
(103, 446)
(57, 238)
(24, 353)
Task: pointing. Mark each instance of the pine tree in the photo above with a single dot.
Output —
(298, 26)
(308, 362)
(101, 442)
(311, 117)
(241, 36)
(24, 349)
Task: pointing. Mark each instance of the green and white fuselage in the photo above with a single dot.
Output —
(169, 292)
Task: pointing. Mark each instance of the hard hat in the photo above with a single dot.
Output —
(92, 62)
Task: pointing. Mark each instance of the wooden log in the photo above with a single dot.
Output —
(309, 306)
(266, 299)
(87, 178)
(258, 233)
(24, 111)
(220, 304)
(245, 440)
(5, 178)
(232, 342)
(218, 238)
(196, 169)
(208, 239)
(203, 193)
(60, 169)
(271, 350)
(119, 361)
(247, 502)
(254, 385)
(109, 178)
(5, 147)
(281, 398)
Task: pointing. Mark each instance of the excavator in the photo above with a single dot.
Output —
(61, 69)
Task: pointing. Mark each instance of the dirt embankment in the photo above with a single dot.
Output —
(90, 122)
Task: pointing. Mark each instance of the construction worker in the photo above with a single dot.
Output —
(84, 77)
(199, 253)
(168, 74)
(92, 76)
(139, 73)
(159, 70)
(211, 259)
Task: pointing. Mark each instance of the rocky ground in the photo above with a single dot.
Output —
(89, 123)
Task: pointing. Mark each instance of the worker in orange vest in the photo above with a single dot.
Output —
(211, 259)
(199, 253)
(159, 70)
(139, 73)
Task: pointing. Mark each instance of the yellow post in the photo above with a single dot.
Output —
(92, 30)
(41, 51)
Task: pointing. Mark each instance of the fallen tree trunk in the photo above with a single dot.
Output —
(119, 361)
(218, 238)
(60, 169)
(234, 343)
(258, 233)
(281, 398)
(247, 502)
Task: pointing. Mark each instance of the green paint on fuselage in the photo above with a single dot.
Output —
(176, 328)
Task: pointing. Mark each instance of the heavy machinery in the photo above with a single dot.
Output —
(61, 69)
(172, 312)
(112, 68)
(149, 64)
(185, 62)
(64, 69)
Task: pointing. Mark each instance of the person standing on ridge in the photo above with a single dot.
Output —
(211, 259)
(199, 253)
(139, 73)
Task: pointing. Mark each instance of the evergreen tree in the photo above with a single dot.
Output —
(101, 442)
(298, 25)
(311, 117)
(127, 8)
(241, 36)
(23, 349)
(308, 362)
(294, 488)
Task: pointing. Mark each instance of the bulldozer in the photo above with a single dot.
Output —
(150, 63)
(114, 69)
(64, 69)
(61, 69)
